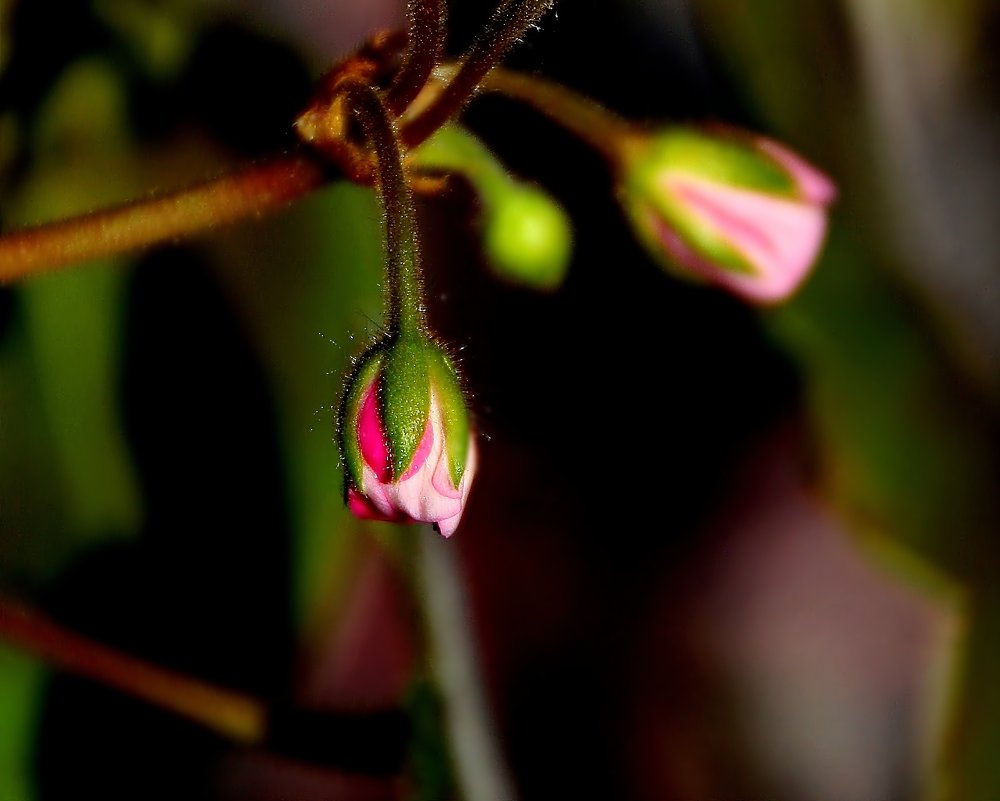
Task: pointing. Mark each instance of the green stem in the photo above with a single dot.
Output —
(425, 44)
(480, 769)
(253, 191)
(507, 24)
(970, 755)
(405, 310)
(605, 131)
(453, 149)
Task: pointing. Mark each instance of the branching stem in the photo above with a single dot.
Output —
(596, 125)
(425, 45)
(507, 24)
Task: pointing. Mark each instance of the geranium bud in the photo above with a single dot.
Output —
(405, 436)
(726, 207)
(527, 237)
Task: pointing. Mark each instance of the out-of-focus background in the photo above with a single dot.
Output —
(713, 551)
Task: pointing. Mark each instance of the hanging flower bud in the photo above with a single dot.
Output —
(405, 436)
(726, 207)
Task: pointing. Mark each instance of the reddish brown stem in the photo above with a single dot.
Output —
(253, 191)
(231, 714)
(508, 24)
(426, 39)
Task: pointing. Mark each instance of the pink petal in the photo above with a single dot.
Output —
(779, 238)
(448, 525)
(377, 492)
(417, 495)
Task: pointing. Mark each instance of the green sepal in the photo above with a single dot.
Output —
(405, 400)
(726, 157)
(365, 372)
(704, 239)
(454, 413)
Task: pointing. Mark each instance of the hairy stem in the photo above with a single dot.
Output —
(425, 44)
(507, 24)
(253, 191)
(596, 125)
(405, 302)
(231, 714)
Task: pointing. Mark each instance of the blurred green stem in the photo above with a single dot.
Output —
(970, 766)
(451, 643)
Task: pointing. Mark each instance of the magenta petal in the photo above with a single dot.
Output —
(371, 435)
(361, 507)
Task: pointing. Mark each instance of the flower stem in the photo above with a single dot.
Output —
(596, 125)
(405, 310)
(969, 755)
(507, 24)
(255, 190)
(425, 44)
(479, 764)
(231, 714)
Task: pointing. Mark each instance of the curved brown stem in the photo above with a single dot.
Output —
(252, 191)
(405, 294)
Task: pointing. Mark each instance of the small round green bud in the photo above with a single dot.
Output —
(527, 237)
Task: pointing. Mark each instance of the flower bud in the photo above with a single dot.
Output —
(527, 237)
(726, 207)
(405, 436)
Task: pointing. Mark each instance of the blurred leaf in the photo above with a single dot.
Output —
(73, 318)
(74, 322)
(20, 697)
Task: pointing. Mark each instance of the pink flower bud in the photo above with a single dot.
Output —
(735, 210)
(389, 479)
